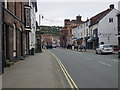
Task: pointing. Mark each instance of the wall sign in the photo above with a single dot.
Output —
(27, 11)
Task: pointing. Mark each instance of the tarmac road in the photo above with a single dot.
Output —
(89, 70)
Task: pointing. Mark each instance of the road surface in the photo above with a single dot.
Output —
(89, 70)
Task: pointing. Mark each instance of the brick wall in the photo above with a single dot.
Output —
(13, 15)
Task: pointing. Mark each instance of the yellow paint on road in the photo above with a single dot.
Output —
(67, 75)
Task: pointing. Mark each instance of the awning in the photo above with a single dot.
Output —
(90, 40)
(74, 39)
(79, 38)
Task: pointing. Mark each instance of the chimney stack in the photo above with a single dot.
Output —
(112, 6)
(67, 22)
(78, 18)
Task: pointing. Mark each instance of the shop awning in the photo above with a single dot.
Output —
(79, 38)
(90, 40)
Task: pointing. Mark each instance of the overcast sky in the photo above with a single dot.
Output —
(55, 12)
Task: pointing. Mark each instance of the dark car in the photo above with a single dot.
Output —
(49, 46)
(119, 54)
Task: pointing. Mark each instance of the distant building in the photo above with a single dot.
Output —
(101, 28)
(47, 38)
(66, 32)
(78, 34)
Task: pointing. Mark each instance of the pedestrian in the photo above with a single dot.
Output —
(81, 47)
(44, 45)
(75, 46)
(84, 48)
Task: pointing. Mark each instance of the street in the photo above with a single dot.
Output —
(89, 70)
(47, 44)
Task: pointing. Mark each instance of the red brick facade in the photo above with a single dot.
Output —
(15, 37)
(66, 32)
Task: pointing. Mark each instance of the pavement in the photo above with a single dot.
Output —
(38, 71)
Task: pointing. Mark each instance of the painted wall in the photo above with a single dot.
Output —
(32, 36)
(87, 28)
(79, 32)
(93, 28)
(119, 5)
(107, 30)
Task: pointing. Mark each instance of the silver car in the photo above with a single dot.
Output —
(104, 49)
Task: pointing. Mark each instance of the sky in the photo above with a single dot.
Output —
(54, 12)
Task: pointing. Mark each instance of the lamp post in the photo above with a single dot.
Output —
(39, 35)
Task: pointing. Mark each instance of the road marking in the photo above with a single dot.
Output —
(115, 60)
(67, 75)
(105, 64)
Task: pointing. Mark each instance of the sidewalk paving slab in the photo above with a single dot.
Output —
(37, 71)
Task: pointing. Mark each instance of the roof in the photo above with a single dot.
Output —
(95, 19)
(77, 22)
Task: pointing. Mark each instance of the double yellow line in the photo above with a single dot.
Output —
(67, 75)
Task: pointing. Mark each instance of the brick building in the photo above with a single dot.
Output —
(66, 32)
(47, 38)
(15, 37)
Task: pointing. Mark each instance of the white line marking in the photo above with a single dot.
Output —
(115, 60)
(105, 64)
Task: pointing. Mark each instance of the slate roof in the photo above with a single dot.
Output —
(95, 19)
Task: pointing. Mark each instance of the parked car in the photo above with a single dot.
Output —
(119, 54)
(116, 48)
(54, 45)
(104, 49)
(49, 46)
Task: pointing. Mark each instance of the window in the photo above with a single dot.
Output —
(110, 20)
(14, 41)
(87, 32)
